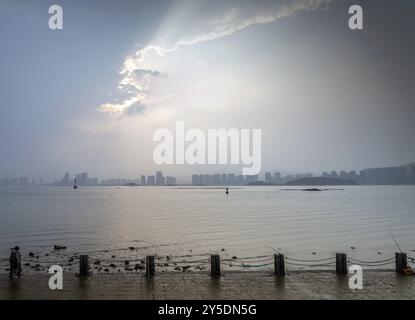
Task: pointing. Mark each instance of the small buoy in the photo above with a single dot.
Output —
(227, 191)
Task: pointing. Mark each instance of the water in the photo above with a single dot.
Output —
(179, 221)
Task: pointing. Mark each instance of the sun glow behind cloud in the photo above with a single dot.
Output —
(155, 75)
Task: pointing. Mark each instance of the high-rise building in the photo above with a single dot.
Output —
(195, 180)
(23, 180)
(231, 179)
(277, 177)
(240, 180)
(216, 179)
(160, 180)
(208, 180)
(224, 180)
(66, 179)
(170, 181)
(82, 179)
(151, 180)
(202, 180)
(268, 178)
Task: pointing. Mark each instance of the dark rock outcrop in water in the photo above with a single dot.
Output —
(321, 181)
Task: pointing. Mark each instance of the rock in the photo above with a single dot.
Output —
(352, 248)
(97, 262)
(126, 262)
(234, 257)
(31, 254)
(223, 249)
(27, 264)
(138, 267)
(106, 270)
(166, 265)
(131, 248)
(113, 266)
(112, 257)
(379, 252)
(168, 257)
(58, 247)
(314, 253)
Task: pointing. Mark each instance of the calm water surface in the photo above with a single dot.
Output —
(179, 221)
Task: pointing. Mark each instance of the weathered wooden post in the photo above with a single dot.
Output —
(215, 265)
(400, 262)
(341, 263)
(279, 267)
(150, 267)
(83, 265)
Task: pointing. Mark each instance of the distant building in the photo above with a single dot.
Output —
(224, 180)
(268, 178)
(216, 179)
(231, 179)
(389, 175)
(143, 180)
(251, 179)
(240, 180)
(82, 179)
(277, 177)
(170, 181)
(23, 180)
(196, 180)
(202, 180)
(160, 180)
(151, 180)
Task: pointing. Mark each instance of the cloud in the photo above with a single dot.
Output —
(131, 106)
(141, 70)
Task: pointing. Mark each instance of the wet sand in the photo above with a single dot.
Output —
(230, 285)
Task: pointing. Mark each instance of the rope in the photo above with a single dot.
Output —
(184, 261)
(371, 262)
(314, 260)
(311, 265)
(247, 265)
(373, 265)
(248, 260)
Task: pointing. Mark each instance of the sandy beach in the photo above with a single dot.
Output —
(230, 285)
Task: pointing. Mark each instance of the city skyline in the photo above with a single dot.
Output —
(402, 174)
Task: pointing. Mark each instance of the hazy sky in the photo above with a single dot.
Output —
(89, 97)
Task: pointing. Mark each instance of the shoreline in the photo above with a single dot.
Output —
(252, 285)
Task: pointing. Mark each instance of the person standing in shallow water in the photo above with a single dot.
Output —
(15, 263)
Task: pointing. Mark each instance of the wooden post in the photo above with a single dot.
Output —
(215, 265)
(341, 263)
(279, 267)
(400, 262)
(150, 267)
(83, 265)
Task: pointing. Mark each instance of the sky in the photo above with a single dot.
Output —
(89, 97)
